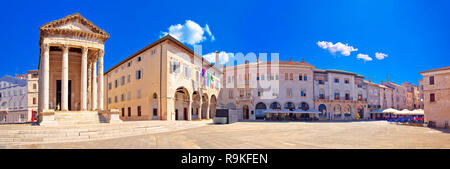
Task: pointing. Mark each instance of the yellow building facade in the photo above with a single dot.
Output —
(165, 80)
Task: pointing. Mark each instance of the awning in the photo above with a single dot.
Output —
(407, 112)
(377, 111)
(296, 111)
(390, 110)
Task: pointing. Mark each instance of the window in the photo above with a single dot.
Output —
(34, 100)
(432, 97)
(305, 77)
(175, 67)
(346, 81)
(129, 63)
(431, 80)
(109, 86)
(138, 93)
(122, 97)
(289, 92)
(286, 76)
(291, 76)
(139, 110)
(116, 83)
(139, 59)
(303, 92)
(336, 95)
(186, 72)
(230, 94)
(34, 86)
(115, 99)
(321, 94)
(123, 112)
(336, 80)
(300, 77)
(129, 111)
(122, 80)
(138, 74)
(129, 78)
(155, 112)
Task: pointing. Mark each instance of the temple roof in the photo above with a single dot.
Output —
(74, 24)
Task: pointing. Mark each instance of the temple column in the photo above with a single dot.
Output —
(46, 68)
(100, 79)
(84, 78)
(94, 84)
(65, 78)
(89, 85)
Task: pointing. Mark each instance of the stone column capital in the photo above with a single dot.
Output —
(101, 52)
(84, 49)
(65, 47)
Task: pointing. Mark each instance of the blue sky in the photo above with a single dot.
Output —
(414, 34)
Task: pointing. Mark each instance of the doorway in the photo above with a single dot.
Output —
(176, 114)
(58, 95)
(185, 113)
(245, 112)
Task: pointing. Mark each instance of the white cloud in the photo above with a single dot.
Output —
(223, 57)
(380, 56)
(364, 57)
(190, 32)
(344, 49)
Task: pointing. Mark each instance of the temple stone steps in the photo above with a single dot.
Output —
(41, 134)
(74, 118)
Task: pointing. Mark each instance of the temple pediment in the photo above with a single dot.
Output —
(74, 24)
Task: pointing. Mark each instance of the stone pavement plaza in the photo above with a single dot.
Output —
(256, 135)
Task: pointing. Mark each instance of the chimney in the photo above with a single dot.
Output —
(303, 59)
(257, 59)
(290, 59)
(246, 61)
(370, 79)
(217, 60)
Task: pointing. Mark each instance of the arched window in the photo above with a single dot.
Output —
(323, 108)
(290, 106)
(347, 110)
(304, 106)
(260, 105)
(337, 109)
(275, 106)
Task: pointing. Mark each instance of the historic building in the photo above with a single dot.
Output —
(252, 88)
(413, 95)
(70, 87)
(436, 91)
(18, 97)
(399, 95)
(165, 80)
(340, 95)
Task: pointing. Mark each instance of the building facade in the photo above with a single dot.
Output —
(18, 97)
(340, 95)
(436, 91)
(252, 88)
(165, 80)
